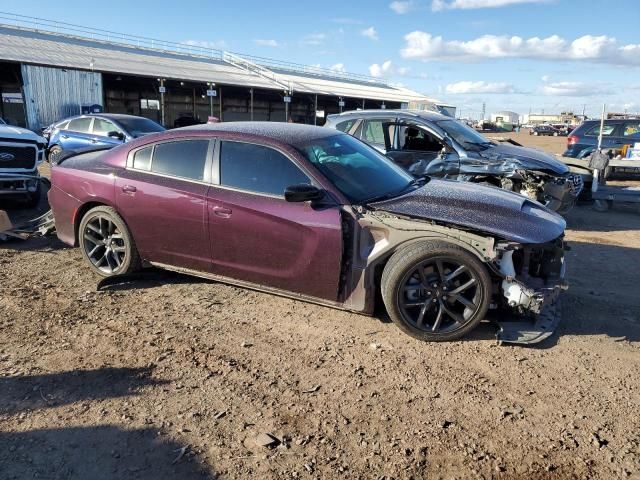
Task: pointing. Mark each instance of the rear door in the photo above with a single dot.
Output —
(162, 197)
(257, 236)
(77, 134)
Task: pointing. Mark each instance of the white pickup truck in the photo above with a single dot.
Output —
(21, 152)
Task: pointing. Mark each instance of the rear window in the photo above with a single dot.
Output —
(606, 131)
(80, 125)
(183, 158)
(373, 132)
(142, 159)
(345, 126)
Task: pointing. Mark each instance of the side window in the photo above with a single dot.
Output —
(81, 125)
(182, 158)
(416, 139)
(606, 131)
(102, 127)
(631, 130)
(345, 126)
(142, 159)
(257, 169)
(373, 132)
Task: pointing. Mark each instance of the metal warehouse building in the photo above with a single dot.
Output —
(51, 70)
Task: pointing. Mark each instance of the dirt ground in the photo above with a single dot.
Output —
(175, 377)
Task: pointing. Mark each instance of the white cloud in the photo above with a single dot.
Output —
(545, 78)
(601, 49)
(338, 67)
(217, 44)
(387, 69)
(467, 87)
(314, 39)
(401, 7)
(439, 5)
(573, 89)
(370, 33)
(266, 43)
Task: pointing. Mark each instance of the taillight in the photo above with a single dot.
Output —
(572, 140)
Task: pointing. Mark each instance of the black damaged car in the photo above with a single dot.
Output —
(428, 143)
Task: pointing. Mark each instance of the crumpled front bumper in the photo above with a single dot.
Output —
(561, 193)
(531, 287)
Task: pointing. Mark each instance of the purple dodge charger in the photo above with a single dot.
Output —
(320, 216)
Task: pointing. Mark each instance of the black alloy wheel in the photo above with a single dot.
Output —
(436, 290)
(106, 243)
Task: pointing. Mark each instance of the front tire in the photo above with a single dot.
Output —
(54, 153)
(106, 243)
(435, 291)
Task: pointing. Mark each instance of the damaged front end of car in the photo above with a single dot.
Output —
(531, 279)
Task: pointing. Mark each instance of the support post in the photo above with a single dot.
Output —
(315, 112)
(251, 104)
(220, 100)
(162, 101)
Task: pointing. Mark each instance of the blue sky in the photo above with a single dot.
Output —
(516, 55)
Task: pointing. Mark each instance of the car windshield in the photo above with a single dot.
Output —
(463, 135)
(137, 127)
(360, 172)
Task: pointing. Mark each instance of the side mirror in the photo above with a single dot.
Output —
(114, 134)
(302, 193)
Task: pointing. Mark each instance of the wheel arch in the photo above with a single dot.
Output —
(81, 212)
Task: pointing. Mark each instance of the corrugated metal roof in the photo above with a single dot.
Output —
(60, 50)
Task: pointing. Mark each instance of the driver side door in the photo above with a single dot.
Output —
(257, 236)
(422, 151)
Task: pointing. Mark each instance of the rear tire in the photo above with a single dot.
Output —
(435, 291)
(106, 243)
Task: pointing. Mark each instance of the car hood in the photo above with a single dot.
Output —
(492, 210)
(17, 133)
(511, 157)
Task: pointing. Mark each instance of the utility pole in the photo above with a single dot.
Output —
(210, 86)
(484, 109)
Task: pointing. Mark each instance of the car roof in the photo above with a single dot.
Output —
(403, 113)
(290, 133)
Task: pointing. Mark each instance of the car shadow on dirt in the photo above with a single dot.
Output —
(23, 393)
(97, 452)
(147, 278)
(48, 244)
(100, 452)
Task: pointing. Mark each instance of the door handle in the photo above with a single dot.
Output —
(222, 212)
(129, 189)
(64, 136)
(93, 140)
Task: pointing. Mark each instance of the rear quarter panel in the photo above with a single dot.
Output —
(77, 184)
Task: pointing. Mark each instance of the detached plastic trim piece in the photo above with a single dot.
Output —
(529, 333)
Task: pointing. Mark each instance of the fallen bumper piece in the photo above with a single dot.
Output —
(530, 332)
(40, 226)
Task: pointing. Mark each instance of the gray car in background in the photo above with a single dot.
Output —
(428, 143)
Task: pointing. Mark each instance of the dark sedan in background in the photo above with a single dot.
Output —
(316, 215)
(427, 143)
(548, 130)
(104, 129)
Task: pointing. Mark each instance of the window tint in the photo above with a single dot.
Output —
(184, 158)
(142, 159)
(631, 129)
(607, 131)
(345, 126)
(81, 125)
(102, 127)
(257, 169)
(373, 132)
